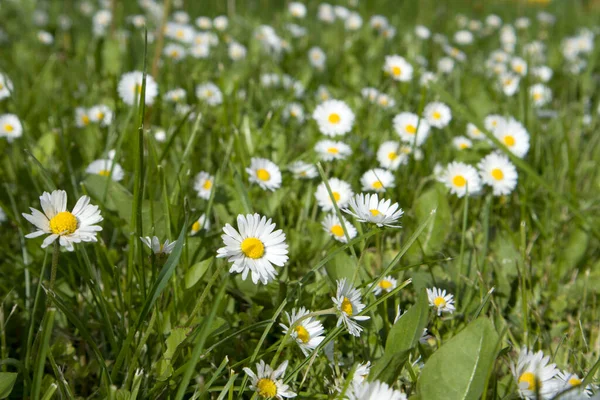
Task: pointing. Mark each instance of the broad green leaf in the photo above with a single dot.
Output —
(342, 266)
(434, 235)
(164, 368)
(459, 369)
(196, 272)
(7, 381)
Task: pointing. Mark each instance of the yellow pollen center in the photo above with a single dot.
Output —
(463, 146)
(334, 118)
(509, 140)
(333, 150)
(392, 155)
(337, 230)
(574, 381)
(9, 128)
(383, 101)
(336, 196)
(497, 174)
(85, 119)
(374, 212)
(174, 53)
(437, 115)
(263, 174)
(411, 129)
(138, 88)
(519, 69)
(302, 334)
(104, 172)
(1, 86)
(347, 306)
(253, 248)
(529, 379)
(396, 71)
(100, 115)
(266, 388)
(439, 302)
(63, 223)
(385, 284)
(179, 34)
(459, 181)
(196, 226)
(537, 96)
(207, 184)
(377, 185)
(208, 93)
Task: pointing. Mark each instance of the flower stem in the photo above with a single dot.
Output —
(55, 253)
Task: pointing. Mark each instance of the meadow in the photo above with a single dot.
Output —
(391, 199)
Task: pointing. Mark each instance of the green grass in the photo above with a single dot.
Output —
(120, 323)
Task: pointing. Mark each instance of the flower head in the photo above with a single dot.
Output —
(411, 128)
(308, 333)
(265, 173)
(386, 284)
(210, 93)
(534, 374)
(302, 170)
(266, 382)
(203, 184)
(341, 191)
(330, 150)
(348, 303)
(157, 247)
(441, 301)
(10, 127)
(374, 390)
(368, 208)
(498, 172)
(106, 167)
(377, 180)
(130, 88)
(332, 225)
(461, 179)
(398, 68)
(437, 114)
(334, 118)
(201, 223)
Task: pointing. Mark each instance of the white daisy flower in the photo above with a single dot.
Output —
(68, 227)
(361, 372)
(348, 303)
(174, 51)
(297, 9)
(308, 333)
(255, 248)
(460, 177)
(175, 95)
(462, 143)
(513, 135)
(200, 51)
(386, 284)
(236, 51)
(201, 223)
(540, 94)
(353, 22)
(398, 68)
(210, 93)
(6, 86)
(266, 382)
(543, 73)
(492, 121)
(203, 184)
(518, 66)
(368, 208)
(377, 180)
(334, 117)
(130, 88)
(294, 111)
(302, 170)
(509, 83)
(445, 65)
(385, 101)
(103, 167)
(329, 150)
(101, 114)
(333, 227)
(181, 17)
(137, 21)
(326, 13)
(370, 93)
(100, 22)
(10, 127)
(160, 135)
(2, 216)
(82, 117)
(158, 248)
(375, 390)
(437, 114)
(533, 374)
(341, 191)
(463, 37)
(455, 53)
(296, 31)
(45, 37)
(265, 173)
(390, 156)
(405, 125)
(474, 133)
(317, 57)
(322, 93)
(182, 33)
(204, 23)
(498, 172)
(565, 381)
(407, 150)
(389, 32)
(440, 300)
(422, 32)
(378, 22)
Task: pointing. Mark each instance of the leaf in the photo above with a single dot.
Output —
(164, 367)
(434, 235)
(196, 272)
(7, 381)
(459, 369)
(342, 266)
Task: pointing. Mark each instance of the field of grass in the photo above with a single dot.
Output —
(479, 119)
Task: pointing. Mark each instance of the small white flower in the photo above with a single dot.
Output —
(422, 32)
(460, 178)
(348, 303)
(82, 117)
(533, 373)
(398, 68)
(210, 93)
(385, 101)
(519, 66)
(509, 83)
(294, 111)
(445, 65)
(182, 33)
(266, 382)
(370, 93)
(221, 22)
(10, 127)
(378, 22)
(101, 114)
(103, 167)
(317, 58)
(437, 114)
(341, 191)
(462, 143)
(204, 23)
(236, 51)
(474, 133)
(513, 135)
(405, 125)
(200, 51)
(308, 333)
(203, 184)
(441, 301)
(334, 117)
(158, 248)
(201, 223)
(174, 51)
(297, 9)
(566, 381)
(361, 372)
(374, 390)
(498, 172)
(378, 180)
(353, 22)
(302, 170)
(390, 156)
(386, 284)
(331, 224)
(45, 37)
(265, 173)
(130, 88)
(330, 150)
(6, 86)
(540, 94)
(368, 208)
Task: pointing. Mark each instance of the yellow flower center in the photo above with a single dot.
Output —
(497, 174)
(377, 185)
(519, 69)
(263, 174)
(85, 119)
(437, 115)
(334, 118)
(439, 301)
(138, 88)
(385, 284)
(537, 96)
(396, 71)
(174, 53)
(9, 128)
(528, 378)
(266, 388)
(337, 230)
(333, 150)
(375, 212)
(302, 333)
(410, 128)
(574, 381)
(253, 248)
(208, 93)
(63, 223)
(463, 146)
(179, 34)
(104, 172)
(208, 184)
(392, 155)
(347, 306)
(196, 226)
(336, 196)
(383, 101)
(459, 181)
(100, 115)
(509, 140)
(1, 86)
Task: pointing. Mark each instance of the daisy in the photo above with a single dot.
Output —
(333, 227)
(378, 22)
(210, 93)
(543, 73)
(200, 51)
(385, 101)
(540, 94)
(498, 172)
(460, 178)
(334, 117)
(68, 227)
(297, 10)
(204, 23)
(101, 114)
(322, 93)
(295, 111)
(398, 68)
(405, 125)
(534, 374)
(348, 303)
(361, 372)
(565, 381)
(308, 333)
(174, 51)
(422, 32)
(158, 248)
(445, 65)
(353, 22)
(6, 86)
(130, 88)
(463, 37)
(389, 155)
(341, 191)
(264, 172)
(368, 208)
(101, 21)
(518, 66)
(377, 180)
(329, 150)
(201, 223)
(266, 382)
(317, 58)
(386, 284)
(82, 117)
(203, 184)
(437, 114)
(181, 17)
(45, 37)
(175, 95)
(474, 133)
(103, 167)
(509, 83)
(375, 390)
(370, 93)
(440, 300)
(10, 127)
(513, 135)
(302, 170)
(455, 53)
(461, 143)
(236, 51)
(255, 248)
(183, 33)
(492, 121)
